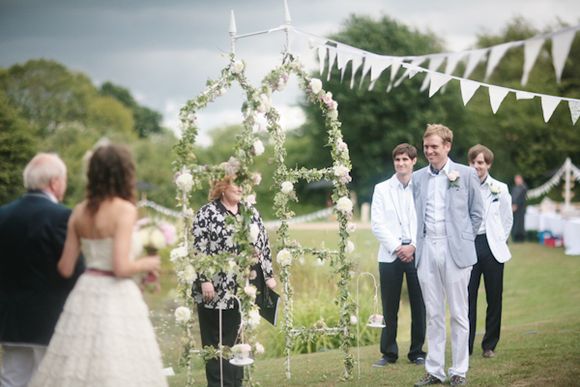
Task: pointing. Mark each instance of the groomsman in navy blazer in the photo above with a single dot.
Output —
(394, 224)
(449, 213)
(32, 293)
(492, 249)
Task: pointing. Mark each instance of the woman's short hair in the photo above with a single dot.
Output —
(111, 174)
(475, 150)
(405, 149)
(440, 130)
(42, 169)
(219, 186)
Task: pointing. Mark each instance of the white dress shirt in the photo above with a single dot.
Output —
(435, 205)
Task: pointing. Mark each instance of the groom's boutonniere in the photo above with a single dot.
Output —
(453, 177)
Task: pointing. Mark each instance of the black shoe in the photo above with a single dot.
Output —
(383, 361)
(427, 380)
(488, 353)
(457, 380)
(418, 361)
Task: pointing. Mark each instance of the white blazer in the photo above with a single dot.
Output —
(498, 218)
(385, 215)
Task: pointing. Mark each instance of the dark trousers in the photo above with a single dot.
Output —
(492, 272)
(391, 275)
(209, 328)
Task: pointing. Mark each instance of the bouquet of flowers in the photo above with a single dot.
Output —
(154, 236)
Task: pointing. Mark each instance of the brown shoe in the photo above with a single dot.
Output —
(488, 353)
(457, 380)
(427, 380)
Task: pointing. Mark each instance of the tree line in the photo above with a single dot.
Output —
(46, 107)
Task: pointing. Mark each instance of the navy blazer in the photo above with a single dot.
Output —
(32, 292)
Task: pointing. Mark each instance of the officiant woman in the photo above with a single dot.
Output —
(213, 235)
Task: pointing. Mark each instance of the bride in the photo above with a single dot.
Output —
(104, 337)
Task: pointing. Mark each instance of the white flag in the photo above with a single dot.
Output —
(574, 107)
(415, 62)
(468, 88)
(496, 96)
(475, 56)
(331, 59)
(452, 61)
(560, 48)
(495, 56)
(549, 104)
(437, 80)
(531, 50)
(378, 65)
(524, 95)
(434, 63)
(321, 58)
(356, 62)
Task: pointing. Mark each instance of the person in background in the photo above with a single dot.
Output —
(519, 192)
(104, 336)
(492, 250)
(449, 212)
(213, 235)
(32, 294)
(394, 224)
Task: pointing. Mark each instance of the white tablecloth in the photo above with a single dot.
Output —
(572, 236)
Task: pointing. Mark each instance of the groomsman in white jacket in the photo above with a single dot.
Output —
(492, 249)
(394, 224)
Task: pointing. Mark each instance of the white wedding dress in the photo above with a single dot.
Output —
(104, 337)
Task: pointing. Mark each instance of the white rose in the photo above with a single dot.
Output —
(265, 104)
(315, 85)
(254, 318)
(341, 146)
(344, 205)
(178, 252)
(254, 232)
(452, 176)
(256, 178)
(260, 124)
(189, 274)
(156, 240)
(351, 227)
(250, 199)
(184, 181)
(287, 187)
(353, 319)
(237, 67)
(349, 248)
(284, 257)
(182, 314)
(242, 349)
(251, 291)
(341, 172)
(259, 348)
(332, 114)
(258, 147)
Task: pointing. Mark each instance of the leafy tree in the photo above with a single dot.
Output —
(374, 122)
(146, 121)
(46, 93)
(17, 145)
(106, 115)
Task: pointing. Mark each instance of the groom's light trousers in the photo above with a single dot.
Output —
(442, 280)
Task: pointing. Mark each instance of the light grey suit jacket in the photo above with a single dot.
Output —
(463, 213)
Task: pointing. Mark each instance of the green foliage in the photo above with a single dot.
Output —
(17, 143)
(47, 93)
(107, 115)
(146, 121)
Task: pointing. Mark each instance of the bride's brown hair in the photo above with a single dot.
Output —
(111, 174)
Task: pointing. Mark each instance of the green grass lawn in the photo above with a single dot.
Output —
(540, 343)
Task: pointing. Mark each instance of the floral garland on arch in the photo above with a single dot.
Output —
(190, 175)
(260, 117)
(284, 179)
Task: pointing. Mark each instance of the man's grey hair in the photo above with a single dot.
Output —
(42, 169)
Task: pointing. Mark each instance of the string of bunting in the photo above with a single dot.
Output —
(554, 180)
(330, 52)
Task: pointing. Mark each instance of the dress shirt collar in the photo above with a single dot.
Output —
(445, 169)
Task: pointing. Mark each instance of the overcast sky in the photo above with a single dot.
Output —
(163, 51)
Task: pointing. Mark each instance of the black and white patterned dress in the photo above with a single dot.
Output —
(212, 235)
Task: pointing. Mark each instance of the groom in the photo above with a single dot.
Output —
(449, 213)
(32, 293)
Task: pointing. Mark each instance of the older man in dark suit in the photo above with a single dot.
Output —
(32, 294)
